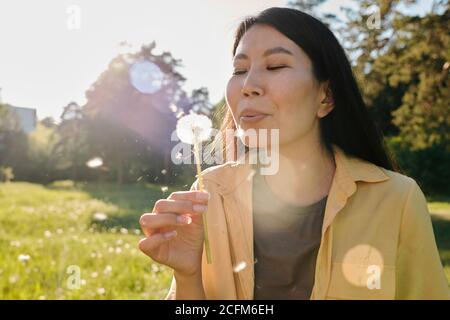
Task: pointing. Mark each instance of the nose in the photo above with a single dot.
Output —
(251, 89)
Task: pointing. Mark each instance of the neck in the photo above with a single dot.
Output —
(305, 172)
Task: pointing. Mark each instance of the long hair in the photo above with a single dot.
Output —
(349, 125)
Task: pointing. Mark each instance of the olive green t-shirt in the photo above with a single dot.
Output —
(286, 241)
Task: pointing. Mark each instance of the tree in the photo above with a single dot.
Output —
(71, 146)
(310, 7)
(130, 128)
(13, 141)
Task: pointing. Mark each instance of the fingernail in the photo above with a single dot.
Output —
(199, 207)
(184, 219)
(203, 195)
(170, 234)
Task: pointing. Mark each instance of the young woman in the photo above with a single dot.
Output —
(335, 221)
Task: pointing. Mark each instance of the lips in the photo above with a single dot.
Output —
(250, 115)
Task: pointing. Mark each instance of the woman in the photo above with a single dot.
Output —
(335, 221)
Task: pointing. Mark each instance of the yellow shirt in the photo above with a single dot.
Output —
(377, 237)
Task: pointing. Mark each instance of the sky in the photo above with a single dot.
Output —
(48, 58)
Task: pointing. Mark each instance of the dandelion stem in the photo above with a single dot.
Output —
(200, 185)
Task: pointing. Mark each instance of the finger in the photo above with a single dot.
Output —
(149, 244)
(194, 196)
(150, 222)
(178, 206)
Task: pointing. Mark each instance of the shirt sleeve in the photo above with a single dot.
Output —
(419, 271)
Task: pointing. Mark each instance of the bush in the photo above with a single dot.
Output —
(6, 174)
(429, 167)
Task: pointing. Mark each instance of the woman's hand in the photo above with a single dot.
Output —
(174, 231)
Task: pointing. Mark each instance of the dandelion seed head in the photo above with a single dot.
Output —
(194, 128)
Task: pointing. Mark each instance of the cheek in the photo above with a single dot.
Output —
(295, 100)
(232, 95)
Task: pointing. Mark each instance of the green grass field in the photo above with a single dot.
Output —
(50, 234)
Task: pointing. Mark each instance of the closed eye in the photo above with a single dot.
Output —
(268, 68)
(275, 68)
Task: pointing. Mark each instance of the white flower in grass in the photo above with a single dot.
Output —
(108, 269)
(101, 291)
(23, 258)
(194, 128)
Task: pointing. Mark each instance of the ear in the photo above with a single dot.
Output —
(326, 102)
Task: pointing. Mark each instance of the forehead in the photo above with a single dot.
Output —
(258, 38)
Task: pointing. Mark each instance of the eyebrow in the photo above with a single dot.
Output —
(276, 50)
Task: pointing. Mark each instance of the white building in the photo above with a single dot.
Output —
(27, 117)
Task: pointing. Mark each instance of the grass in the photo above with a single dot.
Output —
(49, 235)
(45, 230)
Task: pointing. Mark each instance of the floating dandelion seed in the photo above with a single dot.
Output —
(180, 114)
(100, 216)
(240, 266)
(164, 189)
(95, 162)
(163, 171)
(194, 129)
(173, 108)
(250, 175)
(240, 132)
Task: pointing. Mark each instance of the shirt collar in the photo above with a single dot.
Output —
(349, 170)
